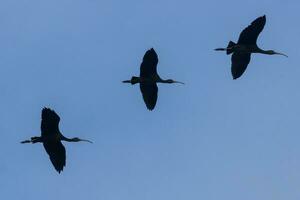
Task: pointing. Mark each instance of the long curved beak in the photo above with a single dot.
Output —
(179, 82)
(86, 140)
(281, 54)
(128, 81)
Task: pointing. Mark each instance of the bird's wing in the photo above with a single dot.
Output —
(57, 154)
(50, 121)
(149, 64)
(149, 92)
(239, 63)
(250, 34)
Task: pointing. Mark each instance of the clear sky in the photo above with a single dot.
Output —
(210, 139)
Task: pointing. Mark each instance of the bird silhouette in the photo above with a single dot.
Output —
(148, 79)
(247, 44)
(51, 138)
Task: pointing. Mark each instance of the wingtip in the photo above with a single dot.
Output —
(152, 49)
(46, 108)
(236, 76)
(59, 170)
(150, 108)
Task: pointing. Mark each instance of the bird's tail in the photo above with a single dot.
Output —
(230, 47)
(35, 139)
(135, 80)
(32, 140)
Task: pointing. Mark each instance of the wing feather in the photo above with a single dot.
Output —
(50, 121)
(250, 34)
(57, 154)
(149, 65)
(239, 63)
(149, 92)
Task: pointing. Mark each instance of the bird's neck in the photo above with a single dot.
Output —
(67, 139)
(164, 81)
(268, 52)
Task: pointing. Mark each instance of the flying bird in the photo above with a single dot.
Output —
(148, 79)
(241, 52)
(51, 138)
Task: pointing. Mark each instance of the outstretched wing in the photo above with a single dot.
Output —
(57, 154)
(250, 34)
(149, 64)
(149, 92)
(50, 121)
(239, 63)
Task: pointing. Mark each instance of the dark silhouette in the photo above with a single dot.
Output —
(148, 79)
(51, 138)
(245, 46)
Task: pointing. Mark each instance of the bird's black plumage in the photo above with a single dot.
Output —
(149, 78)
(57, 154)
(239, 63)
(148, 67)
(240, 60)
(50, 121)
(53, 145)
(149, 92)
(51, 138)
(250, 34)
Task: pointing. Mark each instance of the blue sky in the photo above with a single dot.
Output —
(213, 138)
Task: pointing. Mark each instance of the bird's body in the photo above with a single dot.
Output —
(246, 45)
(148, 79)
(51, 138)
(245, 48)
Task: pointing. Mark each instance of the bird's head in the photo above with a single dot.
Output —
(271, 52)
(173, 81)
(76, 139)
